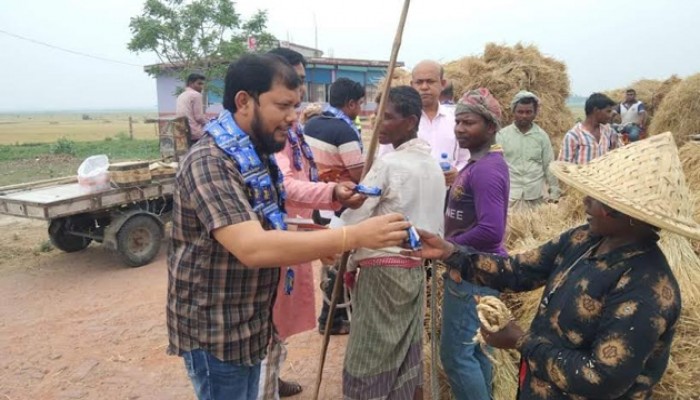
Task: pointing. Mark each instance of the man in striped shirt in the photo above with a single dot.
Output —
(594, 136)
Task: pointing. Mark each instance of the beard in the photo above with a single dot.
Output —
(264, 141)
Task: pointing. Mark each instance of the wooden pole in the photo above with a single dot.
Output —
(131, 128)
(337, 287)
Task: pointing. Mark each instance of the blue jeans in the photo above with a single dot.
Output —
(468, 369)
(214, 379)
(633, 132)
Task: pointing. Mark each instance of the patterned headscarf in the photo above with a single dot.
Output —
(523, 94)
(480, 102)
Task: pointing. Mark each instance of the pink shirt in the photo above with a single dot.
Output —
(296, 312)
(190, 104)
(440, 134)
(580, 146)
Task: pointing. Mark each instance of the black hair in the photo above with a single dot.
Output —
(449, 90)
(630, 90)
(194, 77)
(255, 74)
(598, 101)
(527, 100)
(292, 57)
(343, 90)
(406, 101)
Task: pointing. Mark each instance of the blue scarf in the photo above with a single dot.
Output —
(231, 139)
(301, 148)
(341, 115)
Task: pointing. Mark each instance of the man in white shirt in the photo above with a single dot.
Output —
(437, 121)
(633, 115)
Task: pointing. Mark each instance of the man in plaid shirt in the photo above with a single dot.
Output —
(223, 258)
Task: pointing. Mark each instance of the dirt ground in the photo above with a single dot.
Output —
(83, 326)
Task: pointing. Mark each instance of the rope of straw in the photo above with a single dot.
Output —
(494, 316)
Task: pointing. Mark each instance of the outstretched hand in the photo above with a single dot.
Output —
(434, 247)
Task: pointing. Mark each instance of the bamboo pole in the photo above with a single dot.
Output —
(337, 287)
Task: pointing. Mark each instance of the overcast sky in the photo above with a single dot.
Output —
(605, 43)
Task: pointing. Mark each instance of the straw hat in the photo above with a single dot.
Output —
(643, 180)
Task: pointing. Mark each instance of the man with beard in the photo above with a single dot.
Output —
(228, 237)
(528, 152)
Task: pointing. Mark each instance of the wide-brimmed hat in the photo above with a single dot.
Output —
(643, 180)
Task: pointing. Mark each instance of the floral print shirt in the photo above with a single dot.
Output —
(605, 323)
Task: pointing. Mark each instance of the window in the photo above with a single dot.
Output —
(317, 92)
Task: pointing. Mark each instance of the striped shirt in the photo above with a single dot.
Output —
(580, 146)
(215, 303)
(335, 145)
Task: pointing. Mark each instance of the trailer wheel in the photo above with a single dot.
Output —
(65, 241)
(138, 240)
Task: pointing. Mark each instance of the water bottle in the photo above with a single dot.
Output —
(445, 163)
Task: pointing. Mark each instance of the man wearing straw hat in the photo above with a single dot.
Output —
(477, 207)
(611, 303)
(528, 151)
(594, 136)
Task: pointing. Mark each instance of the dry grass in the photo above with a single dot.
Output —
(680, 111)
(505, 70)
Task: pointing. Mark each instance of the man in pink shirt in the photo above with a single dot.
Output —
(191, 105)
(437, 122)
(294, 310)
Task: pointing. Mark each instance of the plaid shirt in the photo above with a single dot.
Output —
(580, 146)
(215, 303)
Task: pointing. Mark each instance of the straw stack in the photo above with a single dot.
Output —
(680, 111)
(505, 70)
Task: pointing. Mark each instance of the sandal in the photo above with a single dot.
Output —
(288, 389)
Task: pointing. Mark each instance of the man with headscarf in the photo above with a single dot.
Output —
(477, 208)
(528, 152)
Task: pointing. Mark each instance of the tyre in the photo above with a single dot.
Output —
(64, 241)
(138, 240)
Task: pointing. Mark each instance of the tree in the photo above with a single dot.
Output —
(201, 36)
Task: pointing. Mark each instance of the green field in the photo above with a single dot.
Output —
(49, 127)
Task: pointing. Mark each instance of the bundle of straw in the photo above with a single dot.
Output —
(680, 111)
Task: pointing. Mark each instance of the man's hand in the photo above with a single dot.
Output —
(377, 232)
(434, 247)
(506, 338)
(345, 195)
(450, 176)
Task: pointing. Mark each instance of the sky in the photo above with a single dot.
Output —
(605, 44)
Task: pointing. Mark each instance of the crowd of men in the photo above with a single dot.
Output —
(239, 285)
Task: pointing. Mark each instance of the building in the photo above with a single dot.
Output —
(320, 73)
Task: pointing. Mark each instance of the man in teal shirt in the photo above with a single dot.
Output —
(528, 152)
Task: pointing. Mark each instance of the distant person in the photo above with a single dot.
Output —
(448, 94)
(633, 116)
(437, 122)
(528, 152)
(337, 147)
(594, 136)
(334, 137)
(190, 104)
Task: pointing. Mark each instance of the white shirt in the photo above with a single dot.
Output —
(412, 184)
(440, 134)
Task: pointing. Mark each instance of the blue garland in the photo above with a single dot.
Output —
(234, 142)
